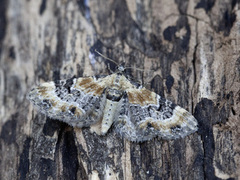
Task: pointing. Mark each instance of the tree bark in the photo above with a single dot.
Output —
(189, 53)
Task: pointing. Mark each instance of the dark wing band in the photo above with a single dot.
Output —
(76, 101)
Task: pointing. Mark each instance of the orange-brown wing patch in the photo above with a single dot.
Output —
(89, 85)
(45, 89)
(142, 97)
(150, 122)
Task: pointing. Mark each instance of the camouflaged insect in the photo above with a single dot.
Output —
(135, 112)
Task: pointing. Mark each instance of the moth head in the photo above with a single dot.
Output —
(121, 68)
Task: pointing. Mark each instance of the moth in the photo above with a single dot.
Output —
(135, 112)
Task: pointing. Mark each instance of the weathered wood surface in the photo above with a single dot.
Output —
(189, 51)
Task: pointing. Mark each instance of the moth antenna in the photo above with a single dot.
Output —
(108, 65)
(135, 68)
(106, 57)
(138, 69)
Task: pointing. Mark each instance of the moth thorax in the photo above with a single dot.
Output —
(114, 94)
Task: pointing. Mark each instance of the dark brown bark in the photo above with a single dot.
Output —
(189, 52)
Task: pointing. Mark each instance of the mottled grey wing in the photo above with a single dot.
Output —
(141, 122)
(76, 101)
